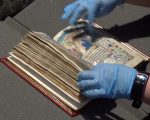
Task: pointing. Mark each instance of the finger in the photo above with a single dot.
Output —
(85, 75)
(96, 93)
(91, 16)
(68, 11)
(85, 84)
(77, 14)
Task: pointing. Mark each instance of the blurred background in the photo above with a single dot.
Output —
(12, 7)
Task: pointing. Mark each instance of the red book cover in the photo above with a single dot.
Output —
(28, 79)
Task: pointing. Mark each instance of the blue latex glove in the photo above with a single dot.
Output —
(90, 8)
(107, 81)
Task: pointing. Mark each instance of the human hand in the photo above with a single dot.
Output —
(90, 8)
(107, 81)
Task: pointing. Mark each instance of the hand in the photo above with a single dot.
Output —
(90, 8)
(107, 81)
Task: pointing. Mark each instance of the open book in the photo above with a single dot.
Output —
(52, 65)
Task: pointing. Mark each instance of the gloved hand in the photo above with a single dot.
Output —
(107, 81)
(90, 8)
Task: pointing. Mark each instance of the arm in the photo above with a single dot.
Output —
(146, 98)
(145, 3)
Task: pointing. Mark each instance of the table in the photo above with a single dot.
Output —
(18, 100)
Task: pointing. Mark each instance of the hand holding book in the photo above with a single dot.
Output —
(107, 81)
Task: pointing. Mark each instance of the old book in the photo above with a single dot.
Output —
(52, 65)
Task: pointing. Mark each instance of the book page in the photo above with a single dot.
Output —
(96, 46)
(49, 60)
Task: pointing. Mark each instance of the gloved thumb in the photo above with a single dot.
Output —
(87, 84)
